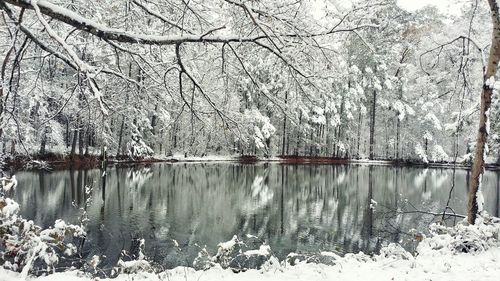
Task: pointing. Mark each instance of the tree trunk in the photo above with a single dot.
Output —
(43, 142)
(475, 205)
(372, 125)
(386, 140)
(67, 132)
(73, 144)
(299, 135)
(88, 139)
(359, 134)
(81, 139)
(120, 137)
(13, 147)
(398, 133)
(283, 152)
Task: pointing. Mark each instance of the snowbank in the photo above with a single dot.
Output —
(483, 266)
(459, 253)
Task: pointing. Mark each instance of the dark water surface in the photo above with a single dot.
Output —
(293, 208)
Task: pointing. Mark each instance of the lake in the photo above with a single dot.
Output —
(293, 208)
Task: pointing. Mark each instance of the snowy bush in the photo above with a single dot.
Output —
(25, 246)
(438, 154)
(420, 151)
(138, 264)
(463, 238)
(328, 258)
(238, 255)
(258, 130)
(394, 251)
(137, 148)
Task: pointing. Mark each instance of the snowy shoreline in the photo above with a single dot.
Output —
(436, 260)
(93, 161)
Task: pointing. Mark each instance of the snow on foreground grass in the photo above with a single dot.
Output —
(460, 253)
(434, 265)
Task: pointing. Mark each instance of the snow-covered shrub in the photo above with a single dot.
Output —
(238, 255)
(204, 260)
(438, 154)
(328, 258)
(258, 130)
(394, 251)
(135, 263)
(226, 251)
(467, 158)
(137, 148)
(264, 130)
(463, 237)
(25, 246)
(420, 151)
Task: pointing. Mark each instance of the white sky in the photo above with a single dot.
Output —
(445, 6)
(448, 7)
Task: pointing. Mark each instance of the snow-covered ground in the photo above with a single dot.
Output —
(438, 266)
(440, 257)
(208, 158)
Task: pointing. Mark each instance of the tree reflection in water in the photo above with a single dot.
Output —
(294, 208)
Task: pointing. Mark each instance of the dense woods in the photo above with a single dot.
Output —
(262, 78)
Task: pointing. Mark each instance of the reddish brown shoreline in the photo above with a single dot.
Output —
(60, 162)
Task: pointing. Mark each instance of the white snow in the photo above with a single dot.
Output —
(479, 195)
(209, 158)
(433, 265)
(228, 245)
(8, 184)
(490, 82)
(10, 209)
(420, 151)
(487, 121)
(264, 250)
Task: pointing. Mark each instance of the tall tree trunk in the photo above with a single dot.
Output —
(13, 147)
(299, 135)
(88, 139)
(2, 78)
(372, 125)
(67, 132)
(426, 146)
(81, 140)
(398, 134)
(360, 120)
(43, 142)
(475, 205)
(283, 152)
(120, 137)
(386, 140)
(73, 144)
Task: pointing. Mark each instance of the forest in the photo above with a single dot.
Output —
(249, 140)
(302, 78)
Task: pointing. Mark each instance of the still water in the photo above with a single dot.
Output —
(293, 208)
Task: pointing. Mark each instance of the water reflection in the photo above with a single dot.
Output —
(294, 208)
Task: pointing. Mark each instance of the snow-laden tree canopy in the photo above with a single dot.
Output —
(323, 78)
